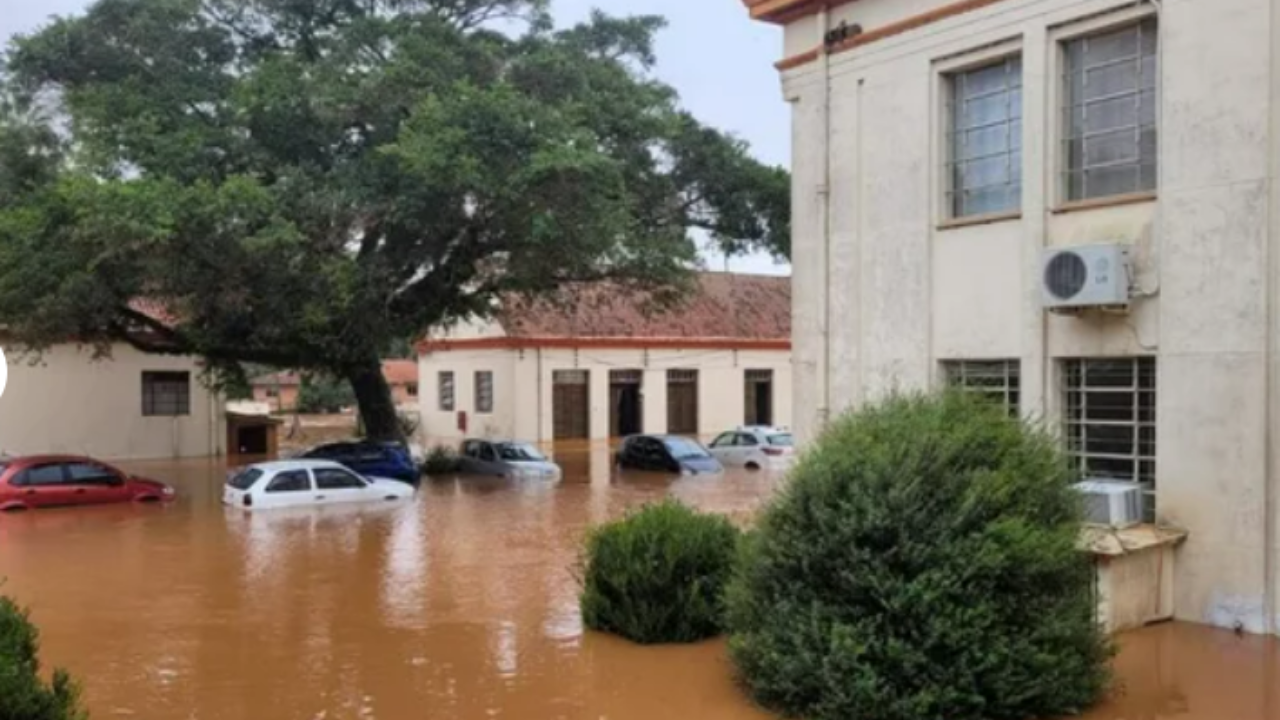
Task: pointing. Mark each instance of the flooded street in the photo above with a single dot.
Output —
(462, 605)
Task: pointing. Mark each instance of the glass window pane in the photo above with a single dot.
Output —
(985, 137)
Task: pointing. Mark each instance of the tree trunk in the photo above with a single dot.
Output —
(377, 409)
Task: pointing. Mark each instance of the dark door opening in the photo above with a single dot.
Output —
(570, 404)
(682, 402)
(252, 440)
(759, 397)
(626, 404)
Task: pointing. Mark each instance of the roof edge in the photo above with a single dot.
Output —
(781, 12)
(613, 343)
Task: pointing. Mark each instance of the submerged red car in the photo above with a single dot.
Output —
(39, 481)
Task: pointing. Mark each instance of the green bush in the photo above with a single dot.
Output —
(920, 564)
(23, 694)
(440, 460)
(320, 394)
(658, 575)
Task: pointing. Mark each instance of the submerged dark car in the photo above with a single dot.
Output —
(667, 453)
(371, 459)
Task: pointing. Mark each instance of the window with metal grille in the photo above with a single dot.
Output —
(166, 394)
(1110, 422)
(984, 139)
(446, 391)
(1110, 112)
(997, 380)
(484, 391)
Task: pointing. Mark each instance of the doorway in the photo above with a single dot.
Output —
(759, 397)
(571, 404)
(626, 403)
(682, 402)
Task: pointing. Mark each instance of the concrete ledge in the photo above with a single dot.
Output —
(1109, 541)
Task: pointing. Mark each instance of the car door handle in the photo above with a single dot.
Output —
(319, 497)
(32, 492)
(80, 491)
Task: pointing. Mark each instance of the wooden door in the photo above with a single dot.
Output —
(682, 402)
(571, 404)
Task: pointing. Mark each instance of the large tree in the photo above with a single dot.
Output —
(299, 183)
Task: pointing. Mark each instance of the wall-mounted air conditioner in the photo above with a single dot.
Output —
(1114, 503)
(1085, 276)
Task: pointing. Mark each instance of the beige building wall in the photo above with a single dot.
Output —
(884, 289)
(523, 387)
(68, 403)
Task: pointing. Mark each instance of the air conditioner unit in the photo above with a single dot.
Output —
(1085, 276)
(1114, 503)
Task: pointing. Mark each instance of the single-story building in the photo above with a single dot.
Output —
(280, 390)
(601, 361)
(129, 405)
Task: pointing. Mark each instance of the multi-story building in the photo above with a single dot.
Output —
(944, 149)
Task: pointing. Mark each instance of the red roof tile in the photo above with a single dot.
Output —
(721, 306)
(400, 372)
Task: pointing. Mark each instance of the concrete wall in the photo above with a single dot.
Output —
(67, 403)
(523, 387)
(903, 290)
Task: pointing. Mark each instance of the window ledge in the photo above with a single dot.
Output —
(984, 219)
(1114, 542)
(1104, 202)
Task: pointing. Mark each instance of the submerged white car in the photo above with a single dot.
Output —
(755, 447)
(296, 483)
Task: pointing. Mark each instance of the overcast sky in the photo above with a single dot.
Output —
(719, 61)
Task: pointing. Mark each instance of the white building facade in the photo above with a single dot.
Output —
(941, 148)
(128, 406)
(597, 367)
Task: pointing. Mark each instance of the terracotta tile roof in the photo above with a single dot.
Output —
(155, 309)
(721, 306)
(400, 372)
(277, 379)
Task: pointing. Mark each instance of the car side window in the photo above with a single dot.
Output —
(336, 479)
(725, 440)
(289, 481)
(91, 474)
(41, 476)
(655, 450)
(487, 454)
(469, 449)
(746, 440)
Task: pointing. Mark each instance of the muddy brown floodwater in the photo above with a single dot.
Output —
(460, 605)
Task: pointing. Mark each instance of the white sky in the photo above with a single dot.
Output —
(719, 61)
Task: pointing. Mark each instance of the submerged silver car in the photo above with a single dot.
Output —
(508, 459)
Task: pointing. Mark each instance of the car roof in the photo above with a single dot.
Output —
(276, 466)
(40, 459)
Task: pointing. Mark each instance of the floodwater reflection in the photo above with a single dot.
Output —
(461, 604)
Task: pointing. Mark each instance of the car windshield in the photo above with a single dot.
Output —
(682, 449)
(519, 452)
(245, 479)
(781, 440)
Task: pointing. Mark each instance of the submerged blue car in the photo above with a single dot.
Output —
(384, 460)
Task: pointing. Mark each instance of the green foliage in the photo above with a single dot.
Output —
(324, 395)
(23, 694)
(921, 564)
(441, 460)
(303, 184)
(658, 575)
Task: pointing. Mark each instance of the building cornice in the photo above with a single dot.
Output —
(782, 12)
(612, 343)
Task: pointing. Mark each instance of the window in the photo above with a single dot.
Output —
(1110, 422)
(89, 474)
(336, 479)
(41, 476)
(984, 139)
(471, 449)
(484, 391)
(446, 391)
(166, 394)
(997, 380)
(290, 481)
(411, 389)
(745, 440)
(1110, 112)
(758, 402)
(245, 479)
(725, 440)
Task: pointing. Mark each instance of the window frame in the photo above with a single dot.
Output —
(269, 487)
(152, 405)
(23, 477)
(1146, 469)
(484, 392)
(956, 373)
(447, 402)
(1057, 73)
(315, 479)
(950, 77)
